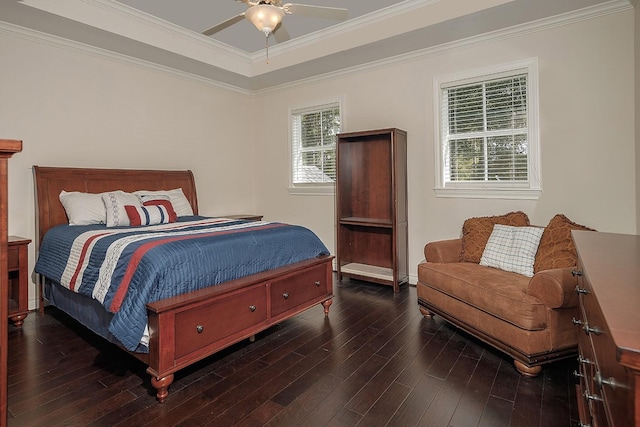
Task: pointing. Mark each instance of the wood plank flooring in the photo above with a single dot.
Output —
(375, 361)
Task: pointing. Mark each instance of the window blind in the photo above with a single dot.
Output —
(486, 131)
(313, 135)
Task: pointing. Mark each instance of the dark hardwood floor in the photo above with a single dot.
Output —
(375, 361)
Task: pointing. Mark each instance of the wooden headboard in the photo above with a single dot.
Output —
(50, 181)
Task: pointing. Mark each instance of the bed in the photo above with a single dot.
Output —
(186, 327)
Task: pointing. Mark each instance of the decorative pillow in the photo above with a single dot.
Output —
(114, 203)
(83, 208)
(147, 215)
(159, 200)
(557, 249)
(512, 248)
(179, 201)
(476, 232)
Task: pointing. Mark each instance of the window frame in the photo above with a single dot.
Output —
(529, 189)
(320, 188)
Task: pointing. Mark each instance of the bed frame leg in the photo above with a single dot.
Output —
(162, 386)
(326, 306)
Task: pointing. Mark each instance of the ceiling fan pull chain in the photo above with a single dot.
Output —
(266, 40)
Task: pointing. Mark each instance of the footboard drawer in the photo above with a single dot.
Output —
(290, 292)
(207, 324)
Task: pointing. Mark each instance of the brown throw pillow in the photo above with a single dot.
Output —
(556, 249)
(476, 232)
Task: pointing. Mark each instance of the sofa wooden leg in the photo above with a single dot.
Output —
(527, 371)
(426, 313)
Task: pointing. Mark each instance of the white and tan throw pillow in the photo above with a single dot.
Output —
(512, 248)
(83, 208)
(179, 201)
(114, 203)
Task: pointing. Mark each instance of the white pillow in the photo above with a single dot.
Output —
(83, 208)
(114, 203)
(512, 248)
(179, 201)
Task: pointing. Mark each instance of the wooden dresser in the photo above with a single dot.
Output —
(609, 338)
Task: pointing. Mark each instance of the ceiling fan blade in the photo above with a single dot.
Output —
(281, 34)
(221, 26)
(317, 11)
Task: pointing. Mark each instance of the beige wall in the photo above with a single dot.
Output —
(637, 118)
(74, 108)
(77, 108)
(586, 131)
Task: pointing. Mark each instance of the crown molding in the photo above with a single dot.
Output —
(344, 27)
(96, 52)
(591, 12)
(613, 6)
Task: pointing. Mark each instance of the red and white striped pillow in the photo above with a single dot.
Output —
(160, 200)
(148, 215)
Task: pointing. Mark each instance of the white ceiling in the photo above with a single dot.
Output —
(166, 33)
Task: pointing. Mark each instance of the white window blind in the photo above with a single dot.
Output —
(313, 144)
(486, 131)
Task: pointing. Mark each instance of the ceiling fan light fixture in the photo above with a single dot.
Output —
(265, 17)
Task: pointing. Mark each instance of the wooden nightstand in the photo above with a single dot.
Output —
(18, 270)
(248, 217)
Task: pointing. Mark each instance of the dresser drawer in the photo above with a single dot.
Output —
(203, 325)
(591, 395)
(610, 377)
(288, 293)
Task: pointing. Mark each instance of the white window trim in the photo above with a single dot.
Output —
(320, 189)
(530, 190)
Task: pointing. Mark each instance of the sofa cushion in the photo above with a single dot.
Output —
(476, 232)
(512, 248)
(556, 249)
(499, 293)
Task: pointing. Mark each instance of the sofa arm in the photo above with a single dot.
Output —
(556, 288)
(443, 250)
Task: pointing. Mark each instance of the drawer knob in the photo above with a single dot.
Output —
(585, 360)
(285, 295)
(199, 329)
(583, 291)
(591, 329)
(318, 283)
(252, 308)
(600, 381)
(593, 397)
(577, 374)
(581, 424)
(576, 321)
(575, 273)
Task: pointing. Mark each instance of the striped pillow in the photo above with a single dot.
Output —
(160, 200)
(148, 215)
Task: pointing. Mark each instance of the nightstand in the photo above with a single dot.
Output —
(18, 271)
(248, 217)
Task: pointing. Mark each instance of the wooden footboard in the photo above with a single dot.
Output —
(190, 327)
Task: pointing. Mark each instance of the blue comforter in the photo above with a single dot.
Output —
(124, 268)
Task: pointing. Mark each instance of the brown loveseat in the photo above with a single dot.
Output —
(529, 318)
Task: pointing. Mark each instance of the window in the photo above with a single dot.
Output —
(313, 147)
(487, 134)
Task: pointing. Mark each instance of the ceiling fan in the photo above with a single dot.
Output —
(267, 16)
